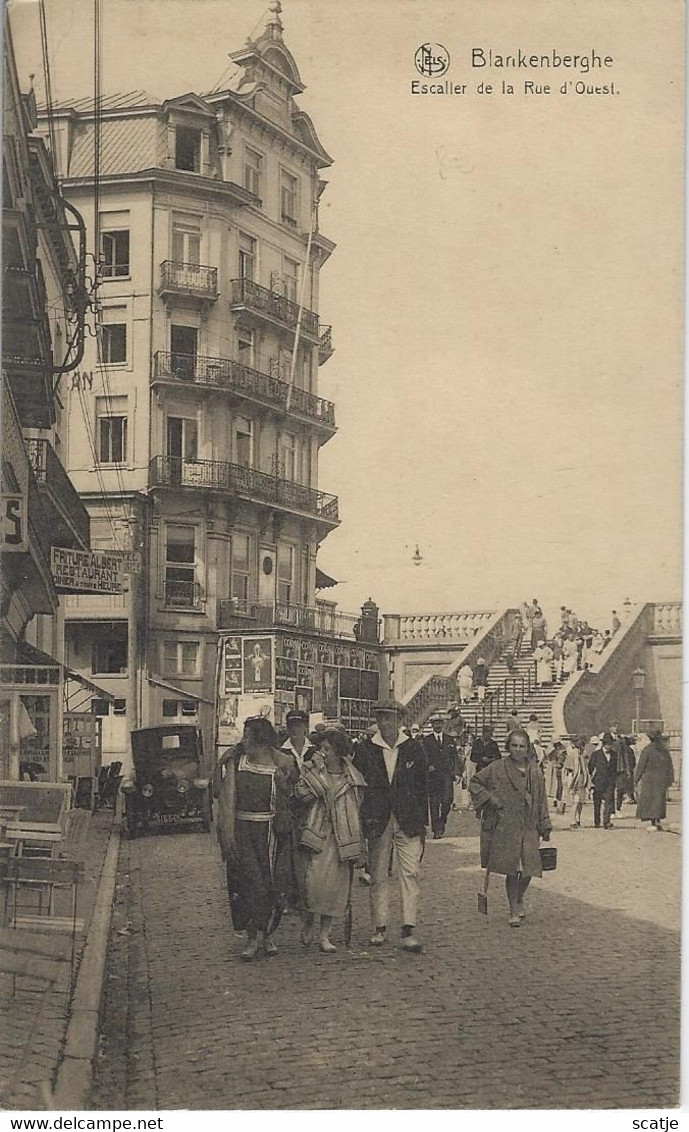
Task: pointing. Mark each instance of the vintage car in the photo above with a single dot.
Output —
(166, 788)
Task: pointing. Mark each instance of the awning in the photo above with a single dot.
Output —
(178, 691)
(90, 687)
(29, 654)
(324, 581)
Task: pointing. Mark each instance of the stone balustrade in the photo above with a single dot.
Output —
(418, 628)
(667, 619)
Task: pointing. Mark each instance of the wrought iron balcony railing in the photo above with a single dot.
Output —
(182, 594)
(325, 343)
(189, 279)
(301, 618)
(219, 475)
(246, 293)
(223, 373)
(71, 525)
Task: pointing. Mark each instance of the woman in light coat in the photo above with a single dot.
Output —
(331, 834)
(654, 775)
(509, 795)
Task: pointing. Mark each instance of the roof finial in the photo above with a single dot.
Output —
(274, 25)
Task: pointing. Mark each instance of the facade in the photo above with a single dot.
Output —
(41, 316)
(196, 421)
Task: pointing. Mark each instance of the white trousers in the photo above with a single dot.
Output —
(406, 854)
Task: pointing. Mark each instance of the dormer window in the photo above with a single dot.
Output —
(188, 149)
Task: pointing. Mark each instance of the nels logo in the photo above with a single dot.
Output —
(432, 60)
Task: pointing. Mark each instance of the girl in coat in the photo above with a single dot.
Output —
(331, 835)
(509, 795)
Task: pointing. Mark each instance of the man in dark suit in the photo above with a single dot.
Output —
(394, 816)
(485, 750)
(441, 760)
(603, 771)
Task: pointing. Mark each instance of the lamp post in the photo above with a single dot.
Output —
(638, 681)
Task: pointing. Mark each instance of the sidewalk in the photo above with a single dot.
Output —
(34, 1024)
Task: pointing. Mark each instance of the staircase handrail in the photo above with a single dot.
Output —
(576, 707)
(504, 696)
(434, 692)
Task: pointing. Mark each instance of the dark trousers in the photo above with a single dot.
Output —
(607, 797)
(439, 800)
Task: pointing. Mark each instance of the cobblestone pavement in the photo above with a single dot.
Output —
(579, 1008)
(33, 1021)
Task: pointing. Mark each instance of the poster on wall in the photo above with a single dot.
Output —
(329, 704)
(253, 705)
(303, 699)
(232, 666)
(229, 732)
(258, 665)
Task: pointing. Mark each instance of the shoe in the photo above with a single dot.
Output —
(515, 922)
(609, 826)
(269, 947)
(251, 950)
(521, 911)
(306, 935)
(326, 946)
(412, 944)
(378, 938)
(365, 878)
(659, 828)
(575, 825)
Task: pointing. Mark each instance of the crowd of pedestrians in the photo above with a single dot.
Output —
(298, 813)
(575, 645)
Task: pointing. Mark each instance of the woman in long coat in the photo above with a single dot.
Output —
(509, 795)
(254, 782)
(654, 775)
(331, 836)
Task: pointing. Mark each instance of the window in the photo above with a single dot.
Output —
(245, 347)
(291, 279)
(285, 573)
(114, 252)
(111, 413)
(183, 347)
(112, 440)
(175, 709)
(253, 171)
(180, 567)
(187, 149)
(288, 198)
(247, 257)
(100, 707)
(243, 442)
(113, 343)
(182, 438)
(288, 456)
(186, 241)
(109, 652)
(180, 658)
(241, 567)
(119, 707)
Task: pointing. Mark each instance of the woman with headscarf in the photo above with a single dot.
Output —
(254, 783)
(654, 775)
(331, 836)
(509, 796)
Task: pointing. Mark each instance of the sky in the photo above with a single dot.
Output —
(506, 293)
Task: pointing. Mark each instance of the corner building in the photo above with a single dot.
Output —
(195, 426)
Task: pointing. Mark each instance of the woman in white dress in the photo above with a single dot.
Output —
(569, 655)
(465, 683)
(543, 656)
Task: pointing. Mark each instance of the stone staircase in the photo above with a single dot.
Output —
(513, 688)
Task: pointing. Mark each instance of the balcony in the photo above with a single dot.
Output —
(325, 343)
(69, 519)
(234, 479)
(251, 297)
(325, 622)
(26, 345)
(189, 280)
(223, 373)
(182, 594)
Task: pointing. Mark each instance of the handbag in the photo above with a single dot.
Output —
(548, 858)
